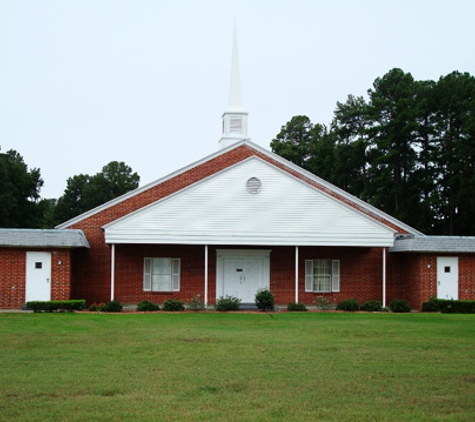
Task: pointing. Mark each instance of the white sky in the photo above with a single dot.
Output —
(86, 82)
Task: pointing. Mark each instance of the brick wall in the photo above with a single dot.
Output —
(361, 273)
(91, 270)
(417, 274)
(408, 276)
(13, 276)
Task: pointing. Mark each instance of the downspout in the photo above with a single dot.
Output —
(112, 271)
(296, 274)
(206, 276)
(384, 278)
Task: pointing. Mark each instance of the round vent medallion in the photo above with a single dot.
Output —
(253, 185)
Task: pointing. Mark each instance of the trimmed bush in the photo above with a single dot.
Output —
(227, 303)
(56, 305)
(296, 307)
(372, 306)
(112, 306)
(457, 306)
(432, 305)
(264, 299)
(173, 305)
(147, 305)
(399, 306)
(348, 305)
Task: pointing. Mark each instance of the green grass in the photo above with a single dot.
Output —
(237, 367)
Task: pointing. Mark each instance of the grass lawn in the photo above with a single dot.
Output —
(237, 367)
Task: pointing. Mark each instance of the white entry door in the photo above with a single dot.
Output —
(242, 278)
(242, 273)
(447, 277)
(38, 276)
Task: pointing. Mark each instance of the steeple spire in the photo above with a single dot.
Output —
(235, 117)
(235, 85)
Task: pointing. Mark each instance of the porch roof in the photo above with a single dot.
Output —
(434, 244)
(37, 238)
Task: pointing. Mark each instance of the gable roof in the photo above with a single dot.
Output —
(276, 208)
(34, 238)
(298, 171)
(434, 244)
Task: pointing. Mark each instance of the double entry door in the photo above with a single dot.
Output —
(240, 273)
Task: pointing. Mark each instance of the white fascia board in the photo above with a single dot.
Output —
(150, 238)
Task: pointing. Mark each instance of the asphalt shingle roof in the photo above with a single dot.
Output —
(34, 238)
(440, 244)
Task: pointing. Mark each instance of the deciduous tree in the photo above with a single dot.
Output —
(19, 193)
(84, 192)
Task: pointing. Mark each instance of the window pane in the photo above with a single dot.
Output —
(162, 274)
(165, 283)
(162, 266)
(322, 275)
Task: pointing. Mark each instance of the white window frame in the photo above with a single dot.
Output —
(148, 275)
(310, 275)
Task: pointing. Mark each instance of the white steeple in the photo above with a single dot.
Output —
(235, 117)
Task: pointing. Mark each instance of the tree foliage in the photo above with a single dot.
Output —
(408, 150)
(20, 204)
(84, 192)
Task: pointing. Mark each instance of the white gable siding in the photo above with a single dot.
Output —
(220, 210)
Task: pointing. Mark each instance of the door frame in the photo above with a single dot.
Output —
(236, 254)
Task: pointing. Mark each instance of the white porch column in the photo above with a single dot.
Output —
(296, 274)
(206, 276)
(112, 271)
(384, 278)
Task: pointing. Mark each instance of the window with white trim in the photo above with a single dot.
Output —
(322, 275)
(161, 274)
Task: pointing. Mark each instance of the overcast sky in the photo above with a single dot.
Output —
(86, 82)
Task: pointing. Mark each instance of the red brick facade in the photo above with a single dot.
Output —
(361, 267)
(13, 276)
(418, 276)
(86, 273)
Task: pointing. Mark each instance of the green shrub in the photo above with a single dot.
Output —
(147, 305)
(112, 306)
(94, 307)
(173, 305)
(296, 307)
(264, 299)
(195, 304)
(432, 305)
(56, 305)
(321, 302)
(457, 306)
(227, 303)
(399, 306)
(348, 305)
(371, 306)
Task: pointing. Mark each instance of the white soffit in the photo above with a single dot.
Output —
(221, 210)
